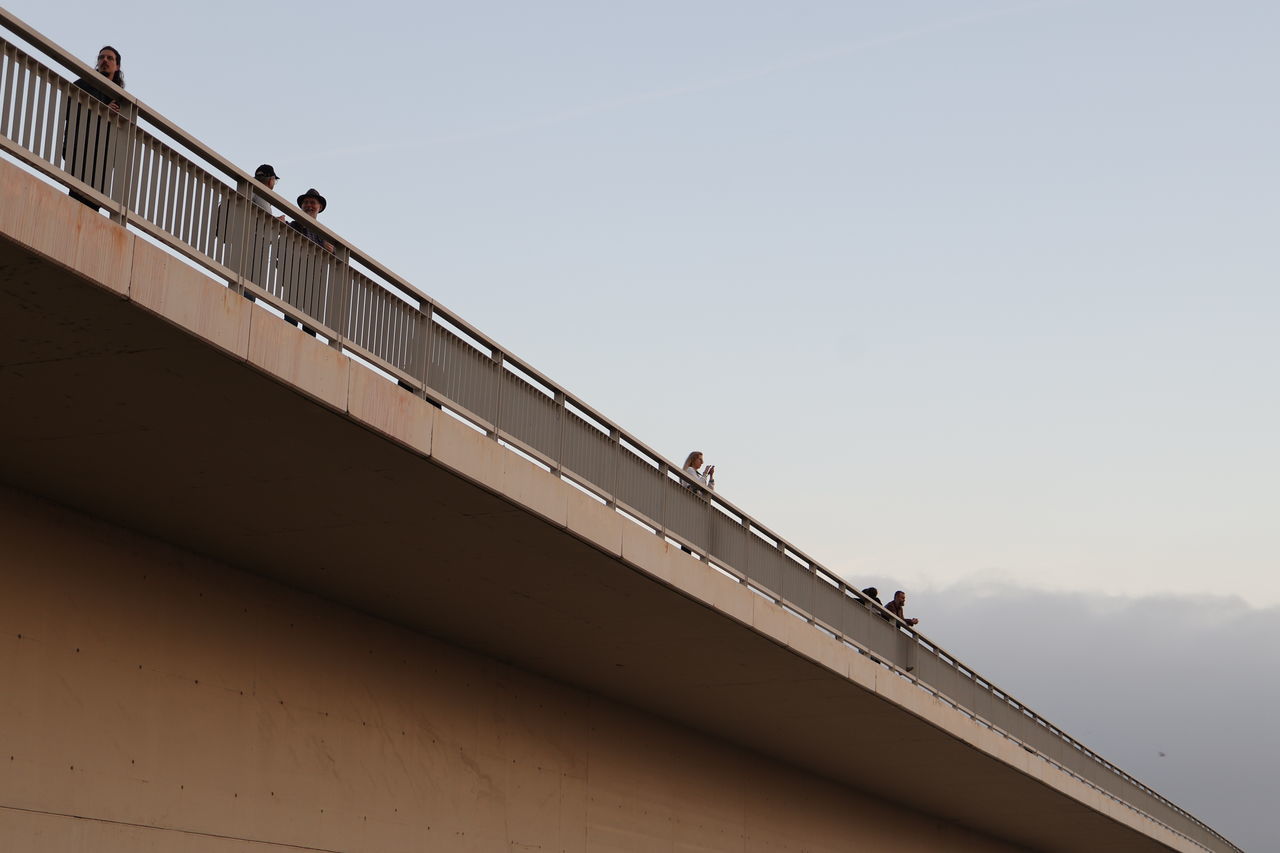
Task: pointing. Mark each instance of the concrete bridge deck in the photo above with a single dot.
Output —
(148, 395)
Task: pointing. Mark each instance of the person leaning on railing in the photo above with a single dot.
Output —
(87, 136)
(874, 595)
(895, 607)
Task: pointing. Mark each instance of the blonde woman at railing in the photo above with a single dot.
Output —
(692, 466)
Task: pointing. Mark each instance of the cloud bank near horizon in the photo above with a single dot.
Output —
(1179, 691)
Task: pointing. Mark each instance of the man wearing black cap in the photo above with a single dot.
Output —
(265, 175)
(312, 204)
(258, 260)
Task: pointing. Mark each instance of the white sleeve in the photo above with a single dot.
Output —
(694, 475)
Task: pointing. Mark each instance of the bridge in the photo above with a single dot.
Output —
(383, 585)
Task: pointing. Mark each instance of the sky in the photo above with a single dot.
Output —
(957, 296)
(1213, 750)
(946, 291)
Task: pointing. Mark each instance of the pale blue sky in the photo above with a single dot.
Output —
(947, 290)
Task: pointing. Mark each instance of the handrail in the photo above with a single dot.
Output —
(205, 211)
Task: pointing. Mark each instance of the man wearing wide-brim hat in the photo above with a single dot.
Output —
(312, 204)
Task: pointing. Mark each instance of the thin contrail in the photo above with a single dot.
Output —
(686, 89)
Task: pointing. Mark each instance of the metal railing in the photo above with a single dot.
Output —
(151, 176)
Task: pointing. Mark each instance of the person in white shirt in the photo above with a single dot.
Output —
(692, 466)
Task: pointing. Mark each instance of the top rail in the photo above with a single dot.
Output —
(154, 177)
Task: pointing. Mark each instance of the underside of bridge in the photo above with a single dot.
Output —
(257, 595)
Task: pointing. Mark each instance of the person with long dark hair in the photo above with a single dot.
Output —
(87, 149)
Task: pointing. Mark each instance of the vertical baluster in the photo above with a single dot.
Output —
(290, 251)
(354, 319)
(6, 79)
(179, 195)
(29, 103)
(166, 187)
(55, 99)
(22, 105)
(326, 272)
(396, 328)
(400, 325)
(379, 331)
(299, 272)
(147, 181)
(153, 182)
(359, 319)
(123, 140)
(427, 344)
(306, 274)
(13, 99)
(207, 214)
(80, 119)
(27, 137)
(188, 202)
(199, 217)
(274, 272)
(173, 205)
(241, 236)
(38, 140)
(339, 294)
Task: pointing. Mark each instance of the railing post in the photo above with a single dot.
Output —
(123, 160)
(615, 440)
(497, 358)
(426, 312)
(664, 476)
(561, 409)
(339, 296)
(843, 589)
(235, 236)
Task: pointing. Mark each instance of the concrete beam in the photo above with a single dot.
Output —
(161, 401)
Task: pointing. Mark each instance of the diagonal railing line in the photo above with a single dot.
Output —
(139, 166)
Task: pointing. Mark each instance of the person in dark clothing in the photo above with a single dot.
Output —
(874, 594)
(312, 204)
(88, 148)
(308, 274)
(895, 607)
